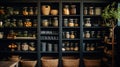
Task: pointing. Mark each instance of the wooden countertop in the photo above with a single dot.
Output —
(8, 64)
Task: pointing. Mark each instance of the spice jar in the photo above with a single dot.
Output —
(71, 23)
(87, 22)
(30, 12)
(25, 12)
(45, 23)
(73, 9)
(85, 11)
(27, 23)
(25, 46)
(72, 36)
(55, 22)
(66, 10)
(91, 11)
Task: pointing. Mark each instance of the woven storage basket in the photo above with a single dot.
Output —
(92, 62)
(70, 61)
(28, 63)
(48, 61)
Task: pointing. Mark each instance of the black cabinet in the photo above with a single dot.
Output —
(52, 28)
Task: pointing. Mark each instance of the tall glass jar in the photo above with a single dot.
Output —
(66, 10)
(73, 9)
(67, 35)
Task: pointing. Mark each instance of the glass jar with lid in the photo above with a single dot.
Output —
(73, 9)
(65, 22)
(66, 10)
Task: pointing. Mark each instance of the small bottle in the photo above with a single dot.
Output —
(71, 47)
(63, 47)
(72, 36)
(73, 10)
(76, 47)
(36, 11)
(65, 22)
(30, 12)
(25, 12)
(87, 47)
(67, 46)
(87, 22)
(71, 23)
(28, 23)
(1, 23)
(87, 34)
(67, 35)
(97, 10)
(66, 10)
(20, 23)
(91, 11)
(35, 23)
(55, 22)
(92, 48)
(76, 23)
(85, 11)
(45, 23)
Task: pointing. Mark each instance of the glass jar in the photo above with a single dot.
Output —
(49, 47)
(55, 22)
(76, 23)
(30, 12)
(20, 23)
(25, 12)
(72, 36)
(65, 22)
(66, 10)
(87, 34)
(43, 46)
(67, 35)
(45, 23)
(76, 47)
(71, 23)
(85, 11)
(25, 46)
(97, 10)
(87, 47)
(28, 23)
(71, 46)
(91, 11)
(73, 9)
(87, 22)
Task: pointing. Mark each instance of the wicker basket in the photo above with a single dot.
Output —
(28, 63)
(70, 61)
(92, 62)
(48, 61)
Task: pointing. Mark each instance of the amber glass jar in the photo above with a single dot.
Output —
(66, 10)
(25, 12)
(28, 23)
(71, 23)
(73, 9)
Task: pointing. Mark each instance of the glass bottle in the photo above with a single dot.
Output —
(28, 23)
(1, 35)
(85, 11)
(13, 23)
(97, 10)
(92, 34)
(72, 36)
(25, 12)
(30, 12)
(87, 34)
(67, 35)
(87, 47)
(35, 23)
(76, 47)
(63, 46)
(49, 47)
(92, 48)
(44, 46)
(73, 9)
(63, 34)
(71, 46)
(76, 23)
(87, 22)
(65, 22)
(67, 46)
(71, 23)
(55, 22)
(98, 34)
(20, 23)
(91, 11)
(66, 10)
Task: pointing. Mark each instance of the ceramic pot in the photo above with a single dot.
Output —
(46, 9)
